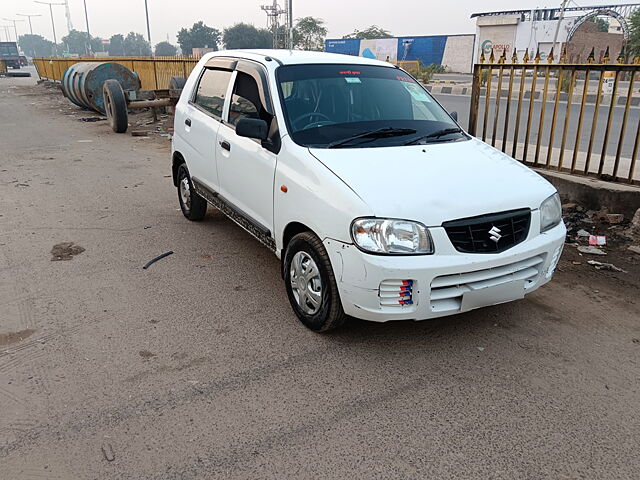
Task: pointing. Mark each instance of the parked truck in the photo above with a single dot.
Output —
(9, 53)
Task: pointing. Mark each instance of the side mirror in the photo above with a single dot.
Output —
(454, 115)
(252, 128)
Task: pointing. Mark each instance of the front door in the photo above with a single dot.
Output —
(246, 169)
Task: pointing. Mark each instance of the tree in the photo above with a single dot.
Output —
(36, 45)
(601, 23)
(165, 49)
(198, 36)
(116, 46)
(76, 42)
(309, 34)
(372, 32)
(97, 45)
(136, 46)
(634, 34)
(243, 35)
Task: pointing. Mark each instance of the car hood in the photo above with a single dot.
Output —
(436, 182)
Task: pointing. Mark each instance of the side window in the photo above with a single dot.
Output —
(245, 102)
(212, 90)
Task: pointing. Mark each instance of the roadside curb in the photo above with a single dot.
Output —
(449, 90)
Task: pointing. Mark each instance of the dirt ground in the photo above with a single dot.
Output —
(196, 368)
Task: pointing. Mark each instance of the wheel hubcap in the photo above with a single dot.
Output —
(185, 193)
(306, 283)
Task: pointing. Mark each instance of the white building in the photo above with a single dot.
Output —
(536, 29)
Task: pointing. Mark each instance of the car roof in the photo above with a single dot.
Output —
(296, 57)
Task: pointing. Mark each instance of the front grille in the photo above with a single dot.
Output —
(474, 235)
(447, 290)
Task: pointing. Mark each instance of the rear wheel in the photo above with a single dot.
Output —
(193, 206)
(311, 285)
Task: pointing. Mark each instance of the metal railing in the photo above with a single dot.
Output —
(154, 72)
(580, 118)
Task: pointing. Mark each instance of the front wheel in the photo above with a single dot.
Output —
(311, 285)
(193, 206)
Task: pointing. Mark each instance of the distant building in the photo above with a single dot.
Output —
(453, 51)
(199, 52)
(535, 29)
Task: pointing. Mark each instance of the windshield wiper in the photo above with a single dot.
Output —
(436, 134)
(373, 134)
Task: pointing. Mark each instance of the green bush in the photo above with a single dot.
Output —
(425, 73)
(566, 82)
(485, 75)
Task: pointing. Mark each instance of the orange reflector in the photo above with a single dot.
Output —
(284, 188)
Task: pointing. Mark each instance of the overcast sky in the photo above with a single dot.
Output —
(405, 17)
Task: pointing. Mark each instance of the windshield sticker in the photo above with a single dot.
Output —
(404, 79)
(349, 72)
(416, 92)
(353, 80)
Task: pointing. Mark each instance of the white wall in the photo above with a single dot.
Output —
(457, 55)
(510, 32)
(530, 34)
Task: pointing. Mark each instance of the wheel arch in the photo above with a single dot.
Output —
(291, 230)
(177, 160)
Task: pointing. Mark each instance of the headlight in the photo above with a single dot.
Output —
(393, 237)
(550, 213)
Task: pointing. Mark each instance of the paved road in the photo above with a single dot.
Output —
(197, 369)
(461, 103)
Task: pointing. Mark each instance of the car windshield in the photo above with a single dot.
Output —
(351, 106)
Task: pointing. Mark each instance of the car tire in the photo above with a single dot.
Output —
(193, 206)
(314, 296)
(115, 106)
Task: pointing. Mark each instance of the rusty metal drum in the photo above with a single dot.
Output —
(82, 82)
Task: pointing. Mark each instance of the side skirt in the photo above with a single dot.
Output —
(247, 223)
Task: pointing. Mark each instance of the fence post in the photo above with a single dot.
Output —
(475, 99)
(155, 72)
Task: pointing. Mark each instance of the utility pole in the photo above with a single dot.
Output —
(6, 31)
(560, 18)
(146, 9)
(53, 25)
(29, 17)
(86, 18)
(290, 23)
(15, 29)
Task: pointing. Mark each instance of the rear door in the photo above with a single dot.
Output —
(203, 116)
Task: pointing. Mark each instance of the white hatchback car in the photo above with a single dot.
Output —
(377, 203)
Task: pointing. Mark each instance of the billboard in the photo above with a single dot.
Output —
(385, 49)
(453, 51)
(499, 38)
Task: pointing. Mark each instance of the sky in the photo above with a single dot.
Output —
(108, 17)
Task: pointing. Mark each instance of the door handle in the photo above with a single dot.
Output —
(226, 145)
(187, 122)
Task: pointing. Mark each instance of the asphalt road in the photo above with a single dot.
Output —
(197, 369)
(461, 104)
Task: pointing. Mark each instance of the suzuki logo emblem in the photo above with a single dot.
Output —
(494, 234)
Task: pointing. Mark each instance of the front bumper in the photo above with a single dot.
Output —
(446, 282)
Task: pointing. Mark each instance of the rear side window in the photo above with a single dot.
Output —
(212, 90)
